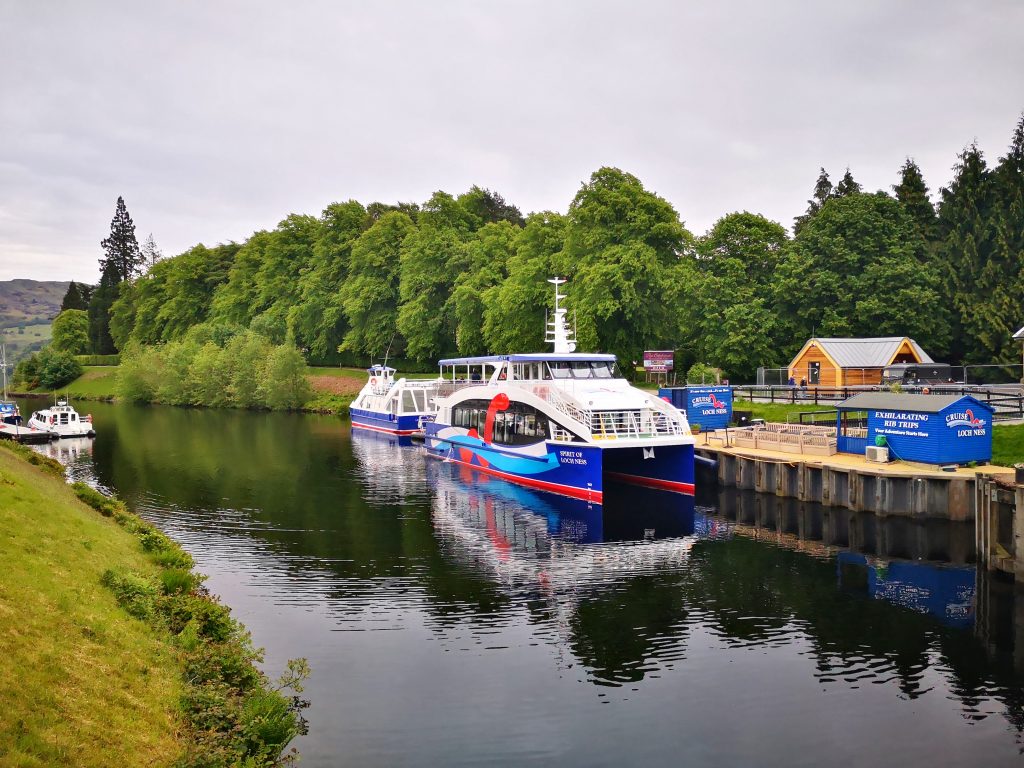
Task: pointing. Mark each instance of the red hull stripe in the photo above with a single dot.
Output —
(401, 432)
(653, 482)
(566, 490)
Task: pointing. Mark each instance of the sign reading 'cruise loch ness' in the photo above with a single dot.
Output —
(957, 434)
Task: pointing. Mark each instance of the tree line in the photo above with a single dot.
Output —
(466, 275)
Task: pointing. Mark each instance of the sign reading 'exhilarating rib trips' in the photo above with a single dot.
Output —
(956, 434)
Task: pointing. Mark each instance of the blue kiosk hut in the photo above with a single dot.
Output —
(931, 429)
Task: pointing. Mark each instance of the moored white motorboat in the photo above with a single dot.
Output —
(62, 420)
(560, 421)
(393, 406)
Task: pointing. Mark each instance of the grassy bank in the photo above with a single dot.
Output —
(113, 653)
(81, 682)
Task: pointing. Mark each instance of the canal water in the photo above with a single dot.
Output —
(454, 620)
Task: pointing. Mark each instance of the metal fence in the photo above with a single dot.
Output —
(992, 373)
(1007, 400)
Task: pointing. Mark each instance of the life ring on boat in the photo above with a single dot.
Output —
(373, 382)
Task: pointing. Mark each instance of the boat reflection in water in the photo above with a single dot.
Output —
(389, 468)
(529, 538)
(68, 451)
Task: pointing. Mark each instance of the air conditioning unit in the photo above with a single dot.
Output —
(877, 453)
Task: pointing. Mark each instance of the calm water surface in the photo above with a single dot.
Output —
(455, 620)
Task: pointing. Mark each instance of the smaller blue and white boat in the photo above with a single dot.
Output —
(393, 406)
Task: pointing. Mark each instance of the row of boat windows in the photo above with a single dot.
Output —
(60, 418)
(542, 371)
(521, 424)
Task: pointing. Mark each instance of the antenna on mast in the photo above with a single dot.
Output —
(557, 331)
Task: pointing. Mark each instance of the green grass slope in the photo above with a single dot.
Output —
(81, 683)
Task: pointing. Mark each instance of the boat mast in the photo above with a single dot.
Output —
(557, 331)
(3, 364)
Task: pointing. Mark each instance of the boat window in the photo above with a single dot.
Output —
(603, 370)
(581, 369)
(408, 401)
(560, 370)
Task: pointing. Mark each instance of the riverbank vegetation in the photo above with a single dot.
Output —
(116, 654)
(465, 274)
(217, 367)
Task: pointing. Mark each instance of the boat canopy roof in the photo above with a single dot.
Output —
(379, 369)
(531, 358)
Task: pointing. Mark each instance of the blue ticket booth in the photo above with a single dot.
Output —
(711, 407)
(932, 429)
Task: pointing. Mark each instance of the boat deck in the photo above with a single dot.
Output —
(24, 434)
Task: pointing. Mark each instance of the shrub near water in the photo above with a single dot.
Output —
(216, 366)
(235, 715)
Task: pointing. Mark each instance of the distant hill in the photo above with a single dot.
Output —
(30, 302)
(27, 308)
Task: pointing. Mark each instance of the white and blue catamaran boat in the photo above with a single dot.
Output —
(561, 421)
(393, 406)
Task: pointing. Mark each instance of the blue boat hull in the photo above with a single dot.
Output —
(577, 470)
(387, 423)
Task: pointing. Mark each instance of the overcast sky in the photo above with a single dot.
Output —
(215, 119)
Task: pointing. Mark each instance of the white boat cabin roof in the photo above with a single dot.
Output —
(538, 357)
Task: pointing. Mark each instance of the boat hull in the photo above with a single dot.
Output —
(577, 470)
(78, 429)
(385, 423)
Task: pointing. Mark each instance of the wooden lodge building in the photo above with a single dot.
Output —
(851, 362)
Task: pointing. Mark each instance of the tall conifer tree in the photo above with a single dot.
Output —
(122, 261)
(73, 299)
(822, 192)
(912, 192)
(965, 225)
(847, 186)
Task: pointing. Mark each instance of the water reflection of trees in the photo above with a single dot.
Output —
(297, 485)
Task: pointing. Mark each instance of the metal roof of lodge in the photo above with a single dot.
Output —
(532, 358)
(893, 401)
(867, 353)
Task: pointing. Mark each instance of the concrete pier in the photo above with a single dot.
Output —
(850, 481)
(999, 528)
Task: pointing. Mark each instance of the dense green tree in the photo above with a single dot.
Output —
(50, 368)
(121, 248)
(514, 310)
(426, 283)
(490, 207)
(73, 299)
(484, 266)
(192, 279)
(288, 254)
(236, 301)
(858, 269)
(151, 254)
(847, 186)
(1001, 282)
(822, 193)
(913, 195)
(737, 328)
(100, 304)
(71, 331)
(621, 245)
(370, 295)
(285, 386)
(377, 211)
(318, 318)
(968, 239)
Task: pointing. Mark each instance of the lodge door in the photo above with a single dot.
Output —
(814, 373)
